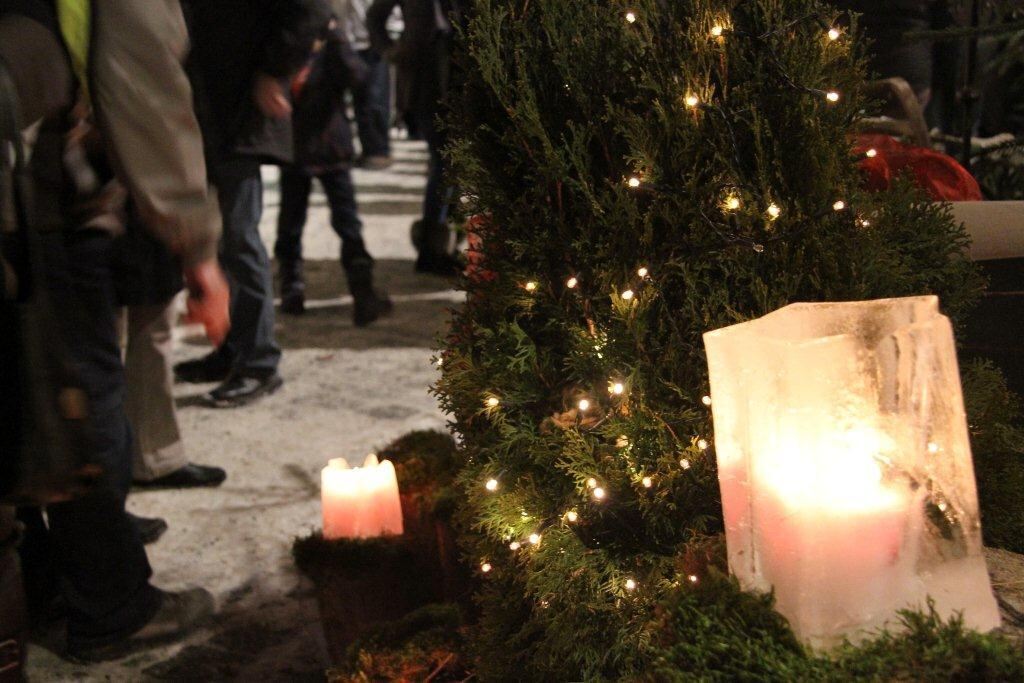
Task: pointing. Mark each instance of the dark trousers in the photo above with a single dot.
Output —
(14, 625)
(341, 197)
(438, 195)
(88, 545)
(372, 104)
(250, 344)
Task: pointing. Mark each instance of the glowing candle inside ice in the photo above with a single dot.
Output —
(828, 523)
(360, 502)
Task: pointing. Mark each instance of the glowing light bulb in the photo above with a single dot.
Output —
(633, 182)
(933, 447)
(702, 444)
(491, 485)
(534, 539)
(592, 483)
(571, 283)
(572, 515)
(616, 388)
(493, 402)
(774, 211)
(515, 545)
(630, 584)
(486, 567)
(732, 202)
(706, 400)
(832, 96)
(692, 578)
(584, 404)
(684, 463)
(630, 17)
(717, 31)
(599, 493)
(865, 223)
(627, 295)
(839, 205)
(530, 286)
(833, 34)
(642, 272)
(871, 153)
(440, 362)
(647, 482)
(691, 101)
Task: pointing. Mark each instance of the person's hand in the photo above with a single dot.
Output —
(208, 298)
(271, 97)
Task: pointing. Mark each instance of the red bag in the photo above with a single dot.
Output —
(937, 173)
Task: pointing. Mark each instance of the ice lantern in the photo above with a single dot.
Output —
(845, 467)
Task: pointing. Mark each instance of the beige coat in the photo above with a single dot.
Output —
(143, 102)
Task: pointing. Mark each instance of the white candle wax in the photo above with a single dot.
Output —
(361, 502)
(826, 524)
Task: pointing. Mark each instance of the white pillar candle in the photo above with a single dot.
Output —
(360, 502)
(827, 523)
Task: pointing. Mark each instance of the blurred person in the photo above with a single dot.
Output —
(127, 61)
(372, 102)
(422, 55)
(244, 53)
(159, 458)
(323, 150)
(148, 279)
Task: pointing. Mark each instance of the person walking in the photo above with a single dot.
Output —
(128, 66)
(323, 150)
(422, 55)
(244, 53)
(371, 103)
(148, 280)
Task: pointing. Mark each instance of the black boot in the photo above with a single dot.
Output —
(370, 303)
(434, 246)
(293, 287)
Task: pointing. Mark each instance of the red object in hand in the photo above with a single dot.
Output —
(208, 299)
(938, 174)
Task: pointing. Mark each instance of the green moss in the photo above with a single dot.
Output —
(315, 555)
(425, 458)
(426, 643)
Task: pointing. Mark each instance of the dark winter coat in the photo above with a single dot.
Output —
(233, 41)
(422, 53)
(321, 129)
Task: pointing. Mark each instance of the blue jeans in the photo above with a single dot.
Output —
(437, 197)
(372, 104)
(250, 344)
(341, 196)
(88, 546)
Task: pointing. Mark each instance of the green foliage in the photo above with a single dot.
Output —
(563, 101)
(998, 444)
(715, 632)
(1000, 172)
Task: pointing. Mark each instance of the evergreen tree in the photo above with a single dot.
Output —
(644, 171)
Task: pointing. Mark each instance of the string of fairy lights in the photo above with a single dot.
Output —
(730, 203)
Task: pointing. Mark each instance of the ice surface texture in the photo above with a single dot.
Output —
(845, 466)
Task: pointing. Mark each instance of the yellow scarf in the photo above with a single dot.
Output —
(75, 18)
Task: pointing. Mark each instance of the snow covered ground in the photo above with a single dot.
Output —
(347, 391)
